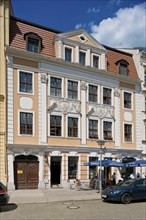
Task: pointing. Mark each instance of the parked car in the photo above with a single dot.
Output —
(4, 197)
(126, 191)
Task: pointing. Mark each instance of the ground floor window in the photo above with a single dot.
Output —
(92, 169)
(72, 167)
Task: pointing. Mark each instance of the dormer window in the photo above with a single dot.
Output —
(95, 61)
(68, 54)
(82, 58)
(123, 67)
(33, 42)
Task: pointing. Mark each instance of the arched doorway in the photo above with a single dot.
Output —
(26, 172)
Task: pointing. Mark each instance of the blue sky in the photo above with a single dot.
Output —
(117, 23)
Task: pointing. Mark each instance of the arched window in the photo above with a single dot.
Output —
(123, 67)
(33, 42)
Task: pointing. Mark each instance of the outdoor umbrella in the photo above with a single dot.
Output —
(136, 163)
(105, 163)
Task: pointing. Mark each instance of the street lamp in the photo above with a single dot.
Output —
(101, 143)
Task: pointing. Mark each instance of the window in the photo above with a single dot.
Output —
(123, 67)
(145, 77)
(106, 96)
(82, 57)
(95, 61)
(107, 130)
(93, 93)
(72, 167)
(68, 54)
(72, 127)
(72, 90)
(55, 86)
(55, 125)
(93, 129)
(127, 100)
(26, 123)
(127, 133)
(92, 169)
(25, 82)
(33, 42)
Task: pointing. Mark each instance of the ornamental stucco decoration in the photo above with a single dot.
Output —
(43, 78)
(117, 92)
(26, 103)
(64, 106)
(27, 152)
(83, 85)
(101, 111)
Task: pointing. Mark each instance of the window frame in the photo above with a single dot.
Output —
(62, 124)
(33, 125)
(111, 97)
(71, 48)
(88, 127)
(123, 63)
(77, 167)
(131, 93)
(62, 86)
(78, 132)
(18, 82)
(95, 55)
(78, 89)
(112, 130)
(82, 52)
(33, 36)
(132, 129)
(97, 93)
(56, 126)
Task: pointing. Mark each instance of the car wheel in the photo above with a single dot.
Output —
(126, 198)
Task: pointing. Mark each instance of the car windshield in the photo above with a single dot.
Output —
(127, 183)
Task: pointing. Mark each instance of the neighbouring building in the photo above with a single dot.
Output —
(65, 92)
(5, 11)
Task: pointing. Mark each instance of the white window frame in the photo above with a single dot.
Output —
(112, 95)
(83, 51)
(113, 131)
(62, 124)
(78, 98)
(72, 52)
(98, 93)
(96, 119)
(62, 85)
(26, 135)
(79, 127)
(128, 142)
(18, 81)
(131, 99)
(96, 55)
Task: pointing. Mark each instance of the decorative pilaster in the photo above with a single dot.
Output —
(11, 185)
(83, 111)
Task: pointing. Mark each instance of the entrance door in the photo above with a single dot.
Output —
(55, 170)
(26, 173)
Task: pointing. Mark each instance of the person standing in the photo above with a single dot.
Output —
(114, 178)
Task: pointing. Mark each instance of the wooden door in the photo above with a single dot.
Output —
(26, 174)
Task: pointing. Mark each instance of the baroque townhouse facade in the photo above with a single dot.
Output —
(139, 56)
(65, 92)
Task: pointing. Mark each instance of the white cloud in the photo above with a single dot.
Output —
(126, 29)
(93, 10)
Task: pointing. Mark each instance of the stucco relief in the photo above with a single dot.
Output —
(26, 103)
(43, 78)
(64, 106)
(117, 92)
(101, 111)
(83, 85)
(127, 116)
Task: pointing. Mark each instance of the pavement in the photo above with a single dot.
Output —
(51, 195)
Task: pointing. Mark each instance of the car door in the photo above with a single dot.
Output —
(139, 190)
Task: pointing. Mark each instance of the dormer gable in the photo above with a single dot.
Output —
(80, 47)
